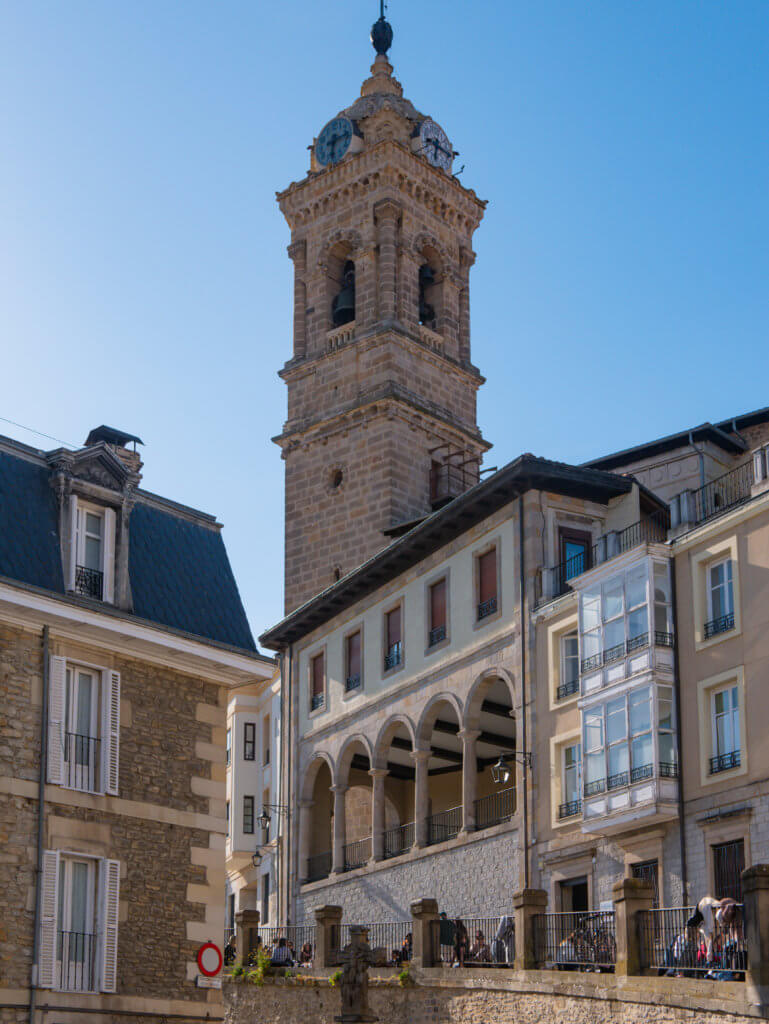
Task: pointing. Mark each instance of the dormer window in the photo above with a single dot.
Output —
(92, 571)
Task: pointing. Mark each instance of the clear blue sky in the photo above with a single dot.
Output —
(621, 287)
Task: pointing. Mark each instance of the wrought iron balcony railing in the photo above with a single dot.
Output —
(486, 608)
(318, 866)
(618, 781)
(356, 854)
(641, 772)
(436, 635)
(723, 762)
(720, 625)
(89, 582)
(352, 682)
(81, 762)
(75, 956)
(597, 786)
(393, 656)
(567, 689)
(495, 808)
(569, 809)
(398, 840)
(444, 825)
(317, 701)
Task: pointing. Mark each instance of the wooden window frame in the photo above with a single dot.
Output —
(249, 742)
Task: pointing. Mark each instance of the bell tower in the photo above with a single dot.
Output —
(381, 426)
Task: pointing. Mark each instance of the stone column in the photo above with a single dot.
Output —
(424, 933)
(328, 920)
(469, 777)
(527, 903)
(340, 829)
(378, 812)
(755, 889)
(630, 896)
(408, 289)
(421, 796)
(387, 215)
(305, 827)
(466, 260)
(298, 253)
(246, 932)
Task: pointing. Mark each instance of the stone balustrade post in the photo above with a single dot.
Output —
(755, 889)
(631, 897)
(425, 948)
(378, 776)
(469, 738)
(421, 796)
(246, 932)
(340, 829)
(328, 928)
(527, 904)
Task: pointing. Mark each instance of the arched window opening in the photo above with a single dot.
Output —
(397, 815)
(320, 826)
(444, 775)
(490, 714)
(343, 303)
(428, 289)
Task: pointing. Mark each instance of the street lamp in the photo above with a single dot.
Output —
(265, 817)
(256, 858)
(500, 772)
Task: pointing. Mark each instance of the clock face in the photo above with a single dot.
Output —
(333, 141)
(435, 145)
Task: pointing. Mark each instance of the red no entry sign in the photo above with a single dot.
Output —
(210, 959)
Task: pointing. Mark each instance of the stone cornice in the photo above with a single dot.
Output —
(389, 164)
(385, 395)
(381, 334)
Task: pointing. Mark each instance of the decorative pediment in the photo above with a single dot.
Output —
(98, 465)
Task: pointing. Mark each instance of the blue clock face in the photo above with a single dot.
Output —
(334, 141)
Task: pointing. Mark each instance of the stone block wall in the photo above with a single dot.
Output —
(474, 997)
(474, 880)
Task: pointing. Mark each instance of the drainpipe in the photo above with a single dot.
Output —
(524, 633)
(701, 455)
(679, 735)
(288, 849)
(40, 825)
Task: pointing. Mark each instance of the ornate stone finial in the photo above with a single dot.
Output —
(381, 32)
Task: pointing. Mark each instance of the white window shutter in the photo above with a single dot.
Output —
(57, 688)
(74, 540)
(110, 733)
(108, 590)
(109, 894)
(49, 904)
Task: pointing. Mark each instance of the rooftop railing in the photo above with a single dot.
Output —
(723, 493)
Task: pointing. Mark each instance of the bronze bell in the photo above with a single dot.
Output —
(343, 306)
(426, 310)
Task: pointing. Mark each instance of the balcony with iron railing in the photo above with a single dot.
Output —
(651, 529)
(76, 961)
(444, 825)
(494, 809)
(398, 840)
(81, 762)
(89, 582)
(356, 854)
(724, 762)
(722, 624)
(393, 657)
(318, 866)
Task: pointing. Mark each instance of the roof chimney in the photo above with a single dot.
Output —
(116, 441)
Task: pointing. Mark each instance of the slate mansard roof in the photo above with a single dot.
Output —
(179, 572)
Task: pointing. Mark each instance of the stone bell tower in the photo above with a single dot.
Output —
(381, 426)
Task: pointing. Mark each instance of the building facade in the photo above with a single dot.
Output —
(121, 634)
(254, 809)
(454, 739)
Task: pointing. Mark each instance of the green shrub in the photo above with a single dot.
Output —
(335, 978)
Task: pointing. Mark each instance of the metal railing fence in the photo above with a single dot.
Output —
(318, 866)
(723, 493)
(81, 762)
(490, 940)
(76, 961)
(575, 941)
(668, 945)
(356, 854)
(296, 936)
(495, 808)
(444, 825)
(398, 840)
